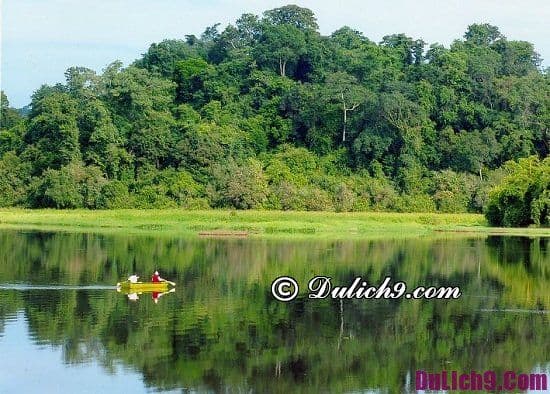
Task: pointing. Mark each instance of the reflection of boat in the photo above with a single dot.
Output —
(143, 287)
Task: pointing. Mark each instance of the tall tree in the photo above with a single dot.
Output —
(300, 18)
(9, 117)
(279, 46)
(53, 130)
(348, 92)
(482, 34)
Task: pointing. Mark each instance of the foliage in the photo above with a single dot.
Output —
(453, 191)
(242, 186)
(523, 197)
(115, 195)
(14, 175)
(308, 122)
(72, 186)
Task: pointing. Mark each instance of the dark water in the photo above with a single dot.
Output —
(63, 328)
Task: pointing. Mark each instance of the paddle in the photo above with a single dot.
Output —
(167, 281)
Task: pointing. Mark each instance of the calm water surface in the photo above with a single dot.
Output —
(63, 327)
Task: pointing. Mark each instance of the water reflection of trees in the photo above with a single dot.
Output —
(222, 328)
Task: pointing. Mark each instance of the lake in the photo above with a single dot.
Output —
(64, 327)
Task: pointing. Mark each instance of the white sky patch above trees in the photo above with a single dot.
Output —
(41, 39)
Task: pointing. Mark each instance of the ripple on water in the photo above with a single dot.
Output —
(29, 287)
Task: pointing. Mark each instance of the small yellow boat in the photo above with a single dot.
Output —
(143, 287)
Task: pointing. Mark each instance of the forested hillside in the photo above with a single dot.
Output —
(269, 113)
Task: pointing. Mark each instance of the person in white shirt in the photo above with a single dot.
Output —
(133, 278)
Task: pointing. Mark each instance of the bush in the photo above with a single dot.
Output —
(344, 199)
(415, 203)
(285, 196)
(153, 197)
(315, 199)
(242, 186)
(480, 196)
(382, 194)
(181, 186)
(61, 189)
(196, 203)
(540, 209)
(91, 185)
(14, 175)
(508, 207)
(72, 186)
(277, 172)
(294, 165)
(115, 195)
(452, 192)
(208, 144)
(166, 189)
(522, 198)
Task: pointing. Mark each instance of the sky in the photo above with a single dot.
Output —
(42, 38)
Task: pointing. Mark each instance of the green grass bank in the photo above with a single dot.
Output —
(255, 223)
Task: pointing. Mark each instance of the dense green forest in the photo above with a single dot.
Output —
(269, 113)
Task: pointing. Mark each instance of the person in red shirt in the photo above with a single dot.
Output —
(156, 278)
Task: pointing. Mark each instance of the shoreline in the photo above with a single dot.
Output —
(256, 223)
